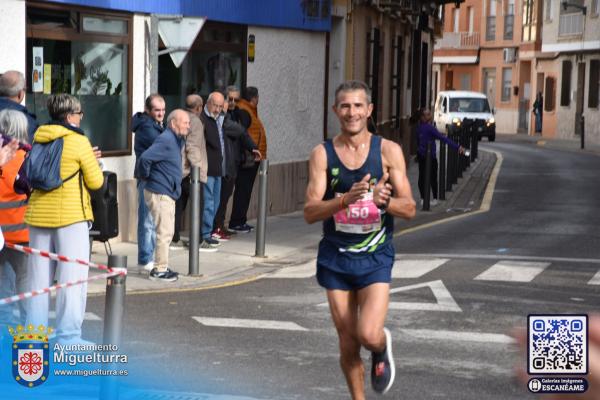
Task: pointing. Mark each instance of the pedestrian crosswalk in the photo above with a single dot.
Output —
(510, 270)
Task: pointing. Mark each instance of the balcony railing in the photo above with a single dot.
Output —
(458, 40)
(509, 23)
(490, 28)
(570, 24)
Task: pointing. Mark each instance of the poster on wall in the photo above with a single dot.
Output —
(47, 78)
(37, 78)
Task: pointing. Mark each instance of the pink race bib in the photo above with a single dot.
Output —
(362, 216)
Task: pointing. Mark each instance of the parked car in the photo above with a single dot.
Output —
(452, 107)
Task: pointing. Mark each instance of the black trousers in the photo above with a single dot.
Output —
(433, 178)
(243, 192)
(180, 205)
(227, 185)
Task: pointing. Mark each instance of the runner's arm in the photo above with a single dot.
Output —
(315, 208)
(402, 203)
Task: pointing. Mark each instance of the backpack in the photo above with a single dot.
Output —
(42, 165)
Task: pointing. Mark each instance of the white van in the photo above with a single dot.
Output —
(451, 107)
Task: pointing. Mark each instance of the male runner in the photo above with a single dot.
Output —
(357, 185)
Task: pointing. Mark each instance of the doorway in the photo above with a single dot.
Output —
(579, 98)
(449, 77)
(489, 85)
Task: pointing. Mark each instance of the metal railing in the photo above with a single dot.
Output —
(570, 24)
(509, 24)
(490, 28)
(458, 40)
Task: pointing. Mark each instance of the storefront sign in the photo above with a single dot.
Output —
(47, 78)
(37, 70)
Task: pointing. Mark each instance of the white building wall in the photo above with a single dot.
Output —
(289, 70)
(12, 32)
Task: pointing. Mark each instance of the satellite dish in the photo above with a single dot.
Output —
(178, 35)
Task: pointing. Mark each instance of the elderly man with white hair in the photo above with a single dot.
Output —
(160, 168)
(12, 94)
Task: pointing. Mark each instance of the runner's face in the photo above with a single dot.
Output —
(353, 111)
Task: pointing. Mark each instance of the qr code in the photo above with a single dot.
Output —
(557, 344)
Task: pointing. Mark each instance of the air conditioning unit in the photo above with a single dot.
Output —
(509, 55)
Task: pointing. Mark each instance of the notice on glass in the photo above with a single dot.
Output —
(37, 78)
(47, 78)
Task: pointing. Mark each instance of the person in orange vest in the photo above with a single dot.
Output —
(13, 205)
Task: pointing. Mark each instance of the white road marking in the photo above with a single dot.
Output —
(444, 300)
(249, 323)
(506, 257)
(405, 267)
(512, 271)
(478, 337)
(595, 279)
(306, 270)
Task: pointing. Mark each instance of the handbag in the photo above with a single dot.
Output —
(248, 156)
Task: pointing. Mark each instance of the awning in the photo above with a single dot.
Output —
(455, 60)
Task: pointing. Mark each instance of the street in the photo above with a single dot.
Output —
(459, 289)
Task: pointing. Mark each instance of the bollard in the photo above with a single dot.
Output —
(113, 321)
(442, 178)
(460, 162)
(450, 167)
(469, 130)
(582, 127)
(427, 182)
(194, 268)
(453, 154)
(261, 223)
(474, 140)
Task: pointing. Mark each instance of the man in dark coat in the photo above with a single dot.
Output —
(12, 94)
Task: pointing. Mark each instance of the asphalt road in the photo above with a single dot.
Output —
(460, 288)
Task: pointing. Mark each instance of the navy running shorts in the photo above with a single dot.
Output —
(335, 280)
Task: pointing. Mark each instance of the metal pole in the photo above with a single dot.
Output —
(460, 162)
(475, 148)
(469, 128)
(261, 224)
(153, 53)
(582, 122)
(442, 178)
(113, 321)
(194, 268)
(427, 181)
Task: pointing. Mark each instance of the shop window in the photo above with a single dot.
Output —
(565, 89)
(506, 84)
(317, 9)
(88, 56)
(549, 93)
(594, 85)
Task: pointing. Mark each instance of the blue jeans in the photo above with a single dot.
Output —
(212, 196)
(538, 121)
(13, 280)
(146, 234)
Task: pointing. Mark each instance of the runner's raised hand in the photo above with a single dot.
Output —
(382, 193)
(357, 190)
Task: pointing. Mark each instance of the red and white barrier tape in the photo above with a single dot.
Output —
(29, 250)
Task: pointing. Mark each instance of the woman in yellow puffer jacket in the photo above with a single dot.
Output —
(59, 221)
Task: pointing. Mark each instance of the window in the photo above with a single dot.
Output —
(492, 8)
(87, 55)
(456, 19)
(549, 93)
(506, 84)
(549, 11)
(529, 21)
(444, 105)
(469, 105)
(594, 85)
(565, 90)
(465, 82)
(595, 7)
(471, 13)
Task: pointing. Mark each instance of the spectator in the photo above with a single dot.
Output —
(160, 169)
(194, 153)
(13, 263)
(236, 139)
(538, 110)
(147, 126)
(215, 152)
(59, 221)
(248, 117)
(426, 132)
(12, 94)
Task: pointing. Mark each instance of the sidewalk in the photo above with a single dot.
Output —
(289, 240)
(552, 143)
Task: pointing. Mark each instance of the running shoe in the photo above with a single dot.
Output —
(383, 370)
(205, 247)
(244, 228)
(163, 276)
(212, 242)
(220, 235)
(177, 245)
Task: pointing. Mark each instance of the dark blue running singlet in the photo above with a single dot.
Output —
(344, 247)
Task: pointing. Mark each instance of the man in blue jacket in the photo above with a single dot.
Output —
(160, 169)
(12, 93)
(147, 127)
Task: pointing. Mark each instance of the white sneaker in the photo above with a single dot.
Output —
(148, 267)
(433, 202)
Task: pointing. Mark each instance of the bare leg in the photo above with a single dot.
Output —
(373, 303)
(344, 312)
